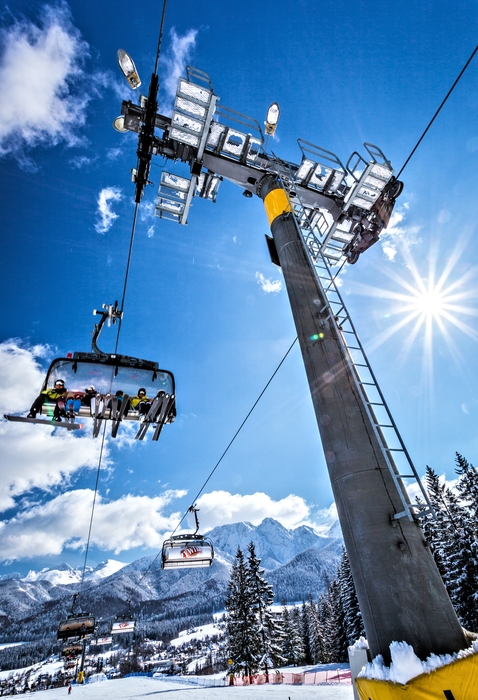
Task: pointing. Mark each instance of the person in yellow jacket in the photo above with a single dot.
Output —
(141, 402)
(56, 395)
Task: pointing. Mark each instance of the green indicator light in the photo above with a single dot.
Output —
(314, 337)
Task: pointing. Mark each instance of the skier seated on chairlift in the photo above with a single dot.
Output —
(88, 396)
(141, 402)
(119, 395)
(73, 403)
(55, 395)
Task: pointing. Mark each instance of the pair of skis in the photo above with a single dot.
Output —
(157, 414)
(69, 424)
(117, 409)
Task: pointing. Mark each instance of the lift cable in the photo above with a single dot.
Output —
(438, 111)
(133, 230)
(93, 509)
(123, 298)
(224, 453)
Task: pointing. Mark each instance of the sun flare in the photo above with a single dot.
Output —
(429, 306)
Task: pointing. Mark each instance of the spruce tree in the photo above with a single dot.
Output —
(287, 642)
(452, 537)
(244, 641)
(316, 634)
(297, 643)
(332, 617)
(352, 616)
(305, 629)
(261, 597)
(468, 485)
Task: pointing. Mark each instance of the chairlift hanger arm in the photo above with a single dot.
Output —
(111, 314)
(193, 509)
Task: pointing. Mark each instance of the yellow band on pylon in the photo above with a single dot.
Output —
(276, 203)
(454, 681)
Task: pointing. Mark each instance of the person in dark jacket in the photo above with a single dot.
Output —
(55, 395)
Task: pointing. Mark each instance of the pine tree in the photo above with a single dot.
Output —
(467, 485)
(261, 596)
(352, 616)
(288, 646)
(332, 617)
(305, 629)
(296, 638)
(452, 538)
(244, 642)
(316, 635)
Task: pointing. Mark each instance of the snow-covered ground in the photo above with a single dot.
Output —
(11, 644)
(133, 688)
(198, 633)
(44, 668)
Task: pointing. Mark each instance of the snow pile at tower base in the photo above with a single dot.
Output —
(439, 677)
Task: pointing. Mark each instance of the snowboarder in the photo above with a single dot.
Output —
(56, 396)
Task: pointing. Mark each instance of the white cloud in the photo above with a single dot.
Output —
(221, 507)
(33, 456)
(114, 153)
(146, 211)
(173, 65)
(63, 522)
(41, 100)
(81, 162)
(105, 213)
(268, 286)
(397, 235)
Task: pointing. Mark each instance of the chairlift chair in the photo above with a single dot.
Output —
(123, 623)
(71, 649)
(116, 379)
(188, 550)
(76, 625)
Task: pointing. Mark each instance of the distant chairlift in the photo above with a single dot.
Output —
(123, 623)
(76, 625)
(181, 551)
(72, 649)
(115, 379)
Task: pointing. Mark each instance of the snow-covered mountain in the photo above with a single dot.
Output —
(274, 544)
(66, 574)
(300, 562)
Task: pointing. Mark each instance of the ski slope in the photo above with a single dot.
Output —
(134, 688)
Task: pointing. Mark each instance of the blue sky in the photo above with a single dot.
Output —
(343, 73)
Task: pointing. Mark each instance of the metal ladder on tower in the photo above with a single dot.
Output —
(313, 228)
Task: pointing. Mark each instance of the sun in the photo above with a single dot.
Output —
(431, 302)
(428, 304)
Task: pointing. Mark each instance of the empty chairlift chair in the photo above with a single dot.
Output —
(187, 551)
(123, 623)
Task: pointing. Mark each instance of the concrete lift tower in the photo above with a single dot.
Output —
(321, 213)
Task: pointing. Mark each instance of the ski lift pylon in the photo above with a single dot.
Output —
(104, 386)
(188, 550)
